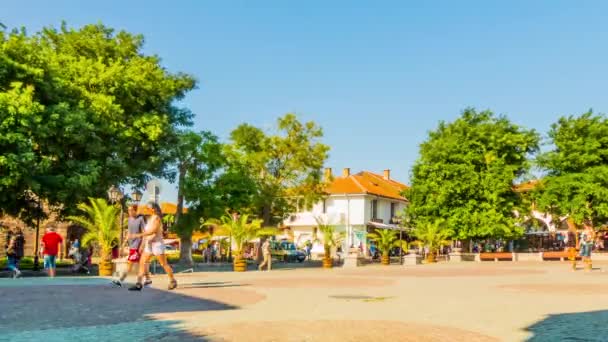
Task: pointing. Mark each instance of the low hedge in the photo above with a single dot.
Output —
(27, 263)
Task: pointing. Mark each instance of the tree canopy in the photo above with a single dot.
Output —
(465, 174)
(80, 110)
(576, 181)
(282, 166)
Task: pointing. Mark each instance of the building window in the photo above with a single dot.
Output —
(324, 206)
(374, 209)
(393, 209)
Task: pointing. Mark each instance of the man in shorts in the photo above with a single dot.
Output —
(135, 225)
(51, 245)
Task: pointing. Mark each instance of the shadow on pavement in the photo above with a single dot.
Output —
(210, 285)
(577, 326)
(30, 312)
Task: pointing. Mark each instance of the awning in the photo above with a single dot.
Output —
(387, 226)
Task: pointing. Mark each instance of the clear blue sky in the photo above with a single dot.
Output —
(376, 75)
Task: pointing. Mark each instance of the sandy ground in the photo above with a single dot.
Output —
(443, 302)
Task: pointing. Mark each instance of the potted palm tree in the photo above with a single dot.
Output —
(241, 230)
(331, 239)
(386, 239)
(102, 226)
(433, 235)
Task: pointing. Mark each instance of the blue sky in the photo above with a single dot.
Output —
(376, 75)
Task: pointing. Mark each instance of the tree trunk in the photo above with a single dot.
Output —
(266, 215)
(185, 251)
(180, 193)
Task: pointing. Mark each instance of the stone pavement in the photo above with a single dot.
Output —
(442, 302)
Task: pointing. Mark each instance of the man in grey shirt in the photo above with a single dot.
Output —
(136, 225)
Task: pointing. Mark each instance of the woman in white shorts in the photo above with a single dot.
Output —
(154, 246)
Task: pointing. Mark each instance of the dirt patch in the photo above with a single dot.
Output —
(573, 289)
(338, 282)
(339, 331)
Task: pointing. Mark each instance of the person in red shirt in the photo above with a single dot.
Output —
(51, 245)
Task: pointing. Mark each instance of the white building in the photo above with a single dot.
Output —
(355, 203)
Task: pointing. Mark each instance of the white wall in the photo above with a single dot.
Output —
(383, 209)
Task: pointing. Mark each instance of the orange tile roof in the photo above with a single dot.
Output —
(165, 207)
(526, 186)
(366, 182)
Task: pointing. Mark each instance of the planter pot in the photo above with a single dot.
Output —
(328, 263)
(385, 260)
(239, 265)
(106, 268)
(430, 258)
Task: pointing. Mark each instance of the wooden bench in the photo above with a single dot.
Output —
(558, 255)
(496, 256)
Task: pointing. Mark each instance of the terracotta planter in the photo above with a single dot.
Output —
(106, 268)
(430, 258)
(385, 260)
(328, 263)
(239, 265)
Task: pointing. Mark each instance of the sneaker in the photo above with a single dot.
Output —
(16, 274)
(136, 287)
(148, 282)
(172, 285)
(116, 283)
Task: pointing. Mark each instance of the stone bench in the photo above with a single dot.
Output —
(496, 256)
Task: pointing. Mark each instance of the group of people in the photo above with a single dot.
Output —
(50, 247)
(145, 240)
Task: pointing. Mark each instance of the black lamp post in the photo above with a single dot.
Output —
(136, 195)
(116, 196)
(36, 252)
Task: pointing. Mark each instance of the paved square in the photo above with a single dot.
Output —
(442, 302)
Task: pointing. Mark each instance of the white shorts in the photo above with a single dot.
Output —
(155, 248)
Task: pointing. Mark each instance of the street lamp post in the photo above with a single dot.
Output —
(36, 252)
(136, 195)
(116, 196)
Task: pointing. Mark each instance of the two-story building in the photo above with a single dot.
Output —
(355, 204)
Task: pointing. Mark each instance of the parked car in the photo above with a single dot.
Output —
(287, 251)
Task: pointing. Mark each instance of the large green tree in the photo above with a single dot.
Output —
(576, 181)
(80, 110)
(282, 166)
(197, 158)
(465, 175)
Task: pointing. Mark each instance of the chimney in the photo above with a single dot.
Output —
(327, 176)
(346, 172)
(387, 174)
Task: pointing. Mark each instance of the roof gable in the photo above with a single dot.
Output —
(366, 182)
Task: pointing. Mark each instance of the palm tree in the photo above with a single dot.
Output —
(101, 222)
(434, 235)
(331, 239)
(386, 239)
(241, 229)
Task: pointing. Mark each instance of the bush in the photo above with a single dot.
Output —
(27, 263)
(174, 258)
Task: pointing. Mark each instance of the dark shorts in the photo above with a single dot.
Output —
(49, 261)
(586, 250)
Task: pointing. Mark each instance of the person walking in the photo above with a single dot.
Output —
(586, 243)
(51, 245)
(153, 246)
(267, 256)
(14, 251)
(308, 250)
(135, 225)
